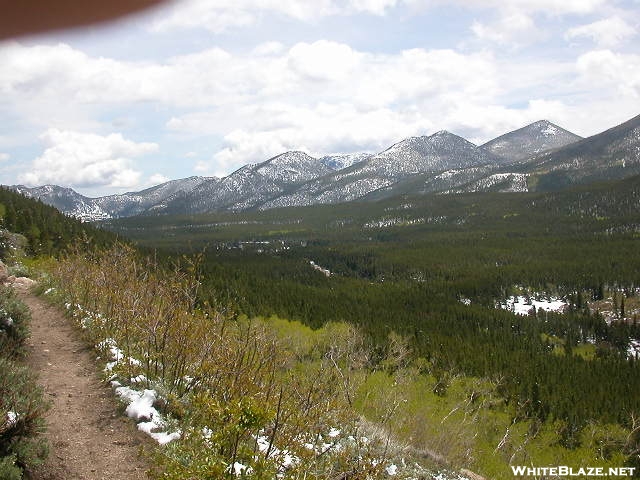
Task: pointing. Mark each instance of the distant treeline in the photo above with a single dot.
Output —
(410, 276)
(47, 230)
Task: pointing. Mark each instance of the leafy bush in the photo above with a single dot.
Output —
(14, 323)
(22, 406)
(8, 468)
(249, 399)
(22, 410)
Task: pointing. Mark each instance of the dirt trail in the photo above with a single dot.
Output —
(89, 439)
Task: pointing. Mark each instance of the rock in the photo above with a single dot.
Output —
(4, 272)
(471, 475)
(24, 282)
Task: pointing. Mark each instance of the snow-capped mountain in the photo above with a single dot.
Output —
(66, 200)
(251, 185)
(610, 155)
(536, 157)
(343, 160)
(530, 140)
(135, 203)
(427, 155)
(112, 206)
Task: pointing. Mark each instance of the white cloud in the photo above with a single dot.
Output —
(327, 97)
(323, 60)
(322, 71)
(376, 7)
(46, 71)
(611, 72)
(549, 7)
(511, 29)
(86, 160)
(223, 15)
(157, 178)
(609, 32)
(268, 48)
(4, 157)
(319, 130)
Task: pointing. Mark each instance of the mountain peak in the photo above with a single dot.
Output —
(443, 133)
(546, 128)
(291, 156)
(609, 155)
(530, 140)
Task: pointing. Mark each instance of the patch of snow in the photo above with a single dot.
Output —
(161, 437)
(140, 407)
(395, 222)
(285, 457)
(521, 306)
(633, 350)
(325, 271)
(116, 354)
(12, 418)
(239, 469)
(139, 379)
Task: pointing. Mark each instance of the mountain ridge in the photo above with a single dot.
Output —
(538, 156)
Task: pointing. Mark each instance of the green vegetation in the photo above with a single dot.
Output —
(258, 353)
(557, 381)
(28, 228)
(240, 393)
(47, 230)
(22, 406)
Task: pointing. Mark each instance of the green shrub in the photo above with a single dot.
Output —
(8, 468)
(22, 410)
(14, 323)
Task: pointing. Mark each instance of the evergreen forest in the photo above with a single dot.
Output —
(427, 280)
(433, 269)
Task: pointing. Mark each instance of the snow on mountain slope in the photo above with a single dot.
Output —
(66, 200)
(530, 140)
(252, 185)
(112, 206)
(610, 155)
(343, 160)
(135, 203)
(291, 167)
(538, 156)
(498, 182)
(413, 156)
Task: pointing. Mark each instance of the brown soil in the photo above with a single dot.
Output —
(89, 438)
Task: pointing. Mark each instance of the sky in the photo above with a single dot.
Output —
(203, 87)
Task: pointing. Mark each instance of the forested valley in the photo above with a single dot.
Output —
(407, 303)
(433, 270)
